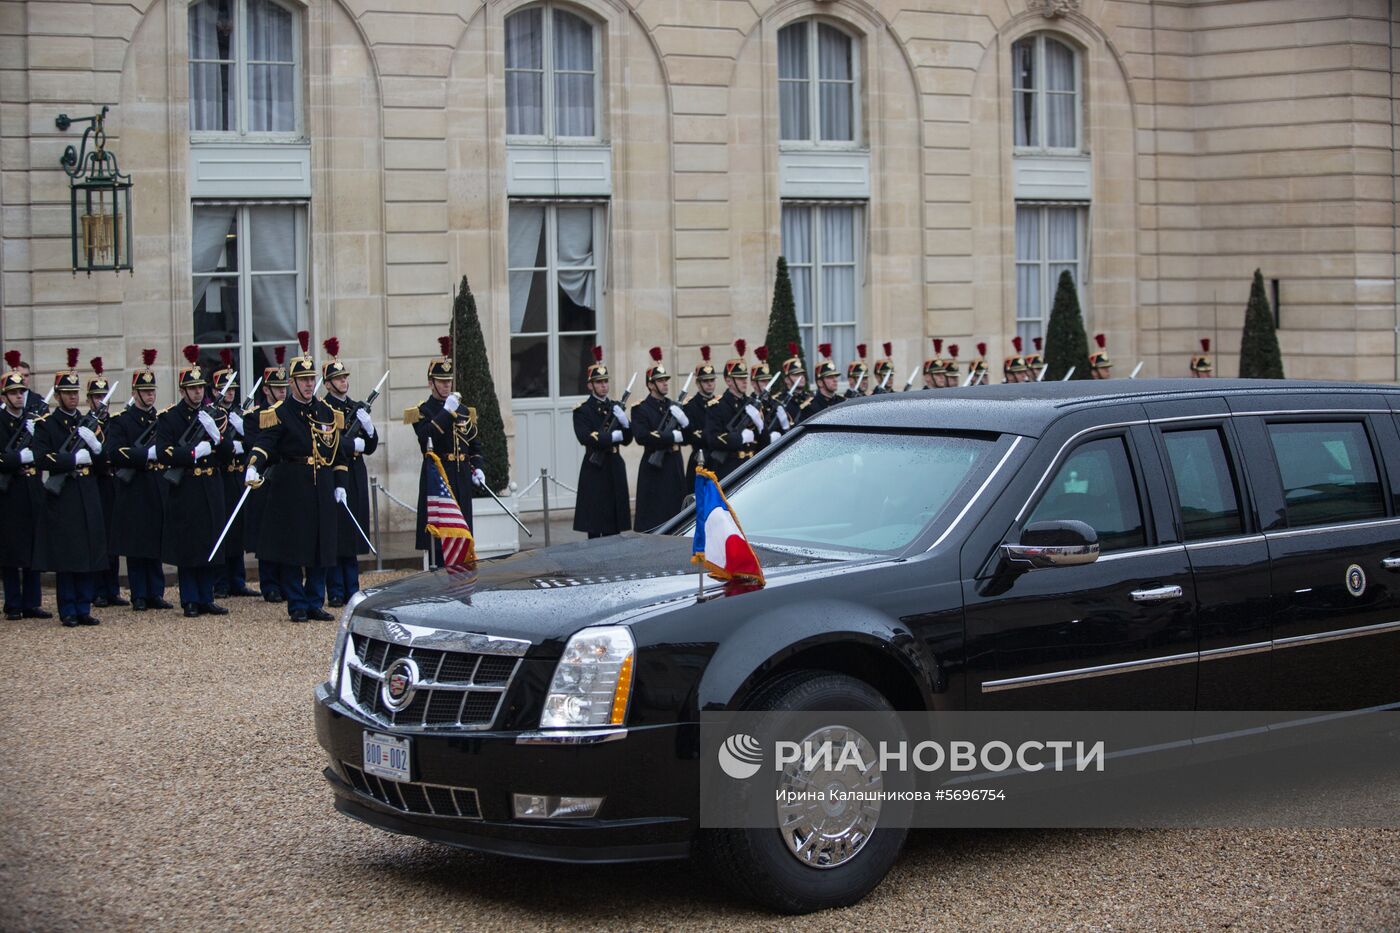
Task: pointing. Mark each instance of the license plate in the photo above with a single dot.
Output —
(388, 756)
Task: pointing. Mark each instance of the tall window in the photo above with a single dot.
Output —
(248, 281)
(551, 74)
(555, 290)
(1048, 242)
(1045, 82)
(821, 245)
(244, 64)
(816, 84)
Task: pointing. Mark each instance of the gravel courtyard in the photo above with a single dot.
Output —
(163, 774)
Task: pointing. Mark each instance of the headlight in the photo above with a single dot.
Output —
(342, 637)
(592, 681)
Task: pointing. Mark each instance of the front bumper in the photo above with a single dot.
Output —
(649, 779)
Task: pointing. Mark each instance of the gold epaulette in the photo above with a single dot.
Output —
(713, 401)
(339, 419)
(471, 415)
(166, 408)
(412, 415)
(268, 417)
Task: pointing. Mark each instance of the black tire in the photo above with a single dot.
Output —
(757, 864)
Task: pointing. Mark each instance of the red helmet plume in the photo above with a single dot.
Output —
(655, 353)
(761, 352)
(96, 364)
(332, 346)
(824, 349)
(888, 348)
(148, 356)
(226, 355)
(937, 344)
(953, 350)
(981, 349)
(72, 357)
(445, 346)
(1016, 343)
(705, 353)
(1101, 340)
(1037, 341)
(1205, 344)
(304, 338)
(280, 354)
(12, 359)
(191, 351)
(597, 354)
(792, 348)
(740, 346)
(860, 351)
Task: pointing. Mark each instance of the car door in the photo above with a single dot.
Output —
(1116, 634)
(1334, 545)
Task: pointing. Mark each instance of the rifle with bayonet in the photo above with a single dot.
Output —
(176, 475)
(595, 457)
(910, 381)
(355, 429)
(90, 420)
(668, 423)
(15, 445)
(126, 474)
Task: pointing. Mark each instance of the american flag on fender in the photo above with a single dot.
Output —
(445, 521)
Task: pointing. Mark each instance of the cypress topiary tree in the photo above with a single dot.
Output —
(473, 371)
(1259, 353)
(1065, 342)
(782, 321)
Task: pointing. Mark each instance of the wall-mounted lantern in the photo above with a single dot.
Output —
(99, 201)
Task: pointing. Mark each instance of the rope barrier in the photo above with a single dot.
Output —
(395, 499)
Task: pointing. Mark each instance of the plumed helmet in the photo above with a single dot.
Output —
(737, 366)
(656, 370)
(220, 378)
(856, 368)
(145, 377)
(1099, 359)
(67, 380)
(332, 367)
(98, 384)
(885, 364)
(824, 366)
(597, 371)
(192, 375)
(792, 366)
(441, 366)
(705, 369)
(1201, 363)
(304, 364)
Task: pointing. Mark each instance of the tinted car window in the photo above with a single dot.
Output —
(1205, 484)
(1328, 472)
(1095, 486)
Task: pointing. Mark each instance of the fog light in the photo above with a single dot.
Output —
(545, 807)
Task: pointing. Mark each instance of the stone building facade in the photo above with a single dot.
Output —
(627, 172)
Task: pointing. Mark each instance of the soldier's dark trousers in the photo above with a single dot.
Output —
(305, 587)
(197, 585)
(232, 576)
(75, 593)
(145, 578)
(343, 580)
(270, 578)
(109, 580)
(21, 589)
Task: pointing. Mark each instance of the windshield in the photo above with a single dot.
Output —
(851, 490)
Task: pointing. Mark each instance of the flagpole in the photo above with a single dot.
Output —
(700, 576)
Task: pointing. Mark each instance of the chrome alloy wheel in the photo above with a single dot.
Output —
(821, 817)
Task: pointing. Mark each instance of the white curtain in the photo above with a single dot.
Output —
(793, 83)
(1060, 96)
(525, 73)
(834, 60)
(1023, 95)
(573, 75)
(274, 245)
(210, 237)
(212, 82)
(576, 249)
(797, 249)
(271, 68)
(524, 230)
(1030, 308)
(838, 304)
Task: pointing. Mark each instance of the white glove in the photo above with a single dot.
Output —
(82, 458)
(90, 439)
(29, 426)
(679, 414)
(621, 416)
(366, 421)
(783, 417)
(747, 436)
(210, 427)
(452, 403)
(479, 478)
(676, 436)
(252, 477)
(359, 445)
(617, 437)
(755, 416)
(151, 452)
(773, 436)
(238, 448)
(26, 456)
(202, 450)
(235, 419)
(340, 494)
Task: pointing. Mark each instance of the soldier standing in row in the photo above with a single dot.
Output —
(21, 498)
(694, 409)
(775, 416)
(884, 367)
(343, 579)
(449, 430)
(952, 376)
(1035, 363)
(657, 424)
(1201, 366)
(231, 577)
(138, 510)
(933, 368)
(33, 402)
(1014, 368)
(797, 398)
(274, 390)
(1100, 366)
(108, 586)
(193, 449)
(856, 374)
(602, 427)
(733, 422)
(75, 538)
(826, 375)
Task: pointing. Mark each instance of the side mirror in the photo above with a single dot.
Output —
(1054, 544)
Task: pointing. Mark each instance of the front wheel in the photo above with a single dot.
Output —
(818, 856)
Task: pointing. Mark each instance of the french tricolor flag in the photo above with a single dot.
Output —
(720, 544)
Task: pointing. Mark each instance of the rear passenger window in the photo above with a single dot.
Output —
(1095, 486)
(1205, 483)
(1328, 471)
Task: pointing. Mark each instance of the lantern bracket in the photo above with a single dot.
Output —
(79, 161)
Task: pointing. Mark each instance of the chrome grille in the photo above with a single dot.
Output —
(414, 797)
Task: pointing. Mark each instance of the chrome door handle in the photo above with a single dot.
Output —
(1156, 594)
(1391, 563)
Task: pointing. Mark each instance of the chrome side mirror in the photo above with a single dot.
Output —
(1054, 544)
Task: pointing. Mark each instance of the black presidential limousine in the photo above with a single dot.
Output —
(1119, 545)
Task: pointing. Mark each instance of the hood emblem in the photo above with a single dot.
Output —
(400, 681)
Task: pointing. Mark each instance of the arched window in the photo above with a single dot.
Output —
(551, 74)
(1045, 82)
(817, 93)
(244, 67)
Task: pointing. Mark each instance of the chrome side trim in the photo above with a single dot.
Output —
(1084, 673)
(1294, 641)
(420, 636)
(1224, 542)
(570, 736)
(1141, 552)
(1235, 651)
(1321, 529)
(1222, 415)
(972, 500)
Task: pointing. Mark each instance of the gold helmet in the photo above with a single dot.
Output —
(1202, 363)
(792, 366)
(68, 379)
(1015, 363)
(950, 364)
(441, 368)
(332, 367)
(191, 376)
(145, 378)
(856, 368)
(597, 372)
(276, 376)
(13, 378)
(1099, 359)
(933, 366)
(885, 365)
(656, 370)
(305, 364)
(825, 367)
(1034, 360)
(760, 371)
(220, 379)
(98, 384)
(737, 367)
(705, 369)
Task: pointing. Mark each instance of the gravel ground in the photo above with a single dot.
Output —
(164, 774)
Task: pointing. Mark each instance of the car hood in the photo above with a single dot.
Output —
(547, 594)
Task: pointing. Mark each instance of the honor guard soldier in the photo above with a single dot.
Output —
(977, 368)
(138, 511)
(733, 422)
(75, 539)
(1100, 366)
(658, 425)
(194, 450)
(1014, 368)
(34, 403)
(952, 375)
(21, 498)
(273, 391)
(307, 486)
(108, 588)
(449, 430)
(933, 367)
(231, 577)
(826, 376)
(694, 409)
(602, 427)
(343, 578)
(1201, 367)
(856, 374)
(1035, 362)
(775, 416)
(884, 367)
(796, 396)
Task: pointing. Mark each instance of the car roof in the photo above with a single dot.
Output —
(1028, 408)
